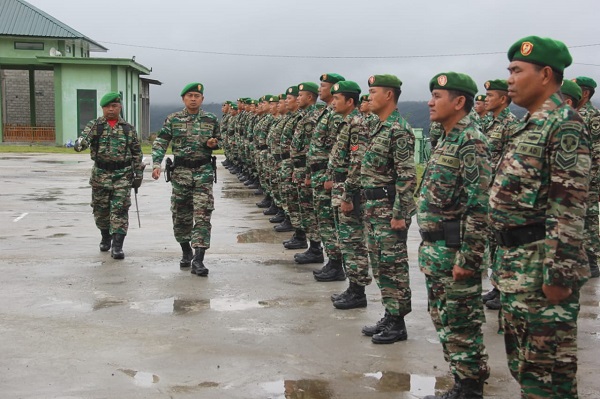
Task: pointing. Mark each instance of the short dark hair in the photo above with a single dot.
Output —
(397, 91)
(313, 96)
(590, 89)
(558, 76)
(469, 99)
(354, 96)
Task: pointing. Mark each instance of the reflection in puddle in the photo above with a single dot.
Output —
(390, 381)
(60, 162)
(193, 388)
(141, 378)
(300, 389)
(268, 236)
(237, 193)
(185, 306)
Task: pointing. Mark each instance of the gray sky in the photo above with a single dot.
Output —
(413, 30)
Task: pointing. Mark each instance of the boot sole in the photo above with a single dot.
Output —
(384, 342)
(328, 280)
(343, 306)
(306, 262)
(117, 256)
(294, 247)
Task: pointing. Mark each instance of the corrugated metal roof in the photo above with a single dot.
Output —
(19, 18)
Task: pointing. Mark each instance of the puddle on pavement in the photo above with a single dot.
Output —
(192, 388)
(9, 158)
(268, 236)
(58, 235)
(60, 162)
(107, 303)
(419, 385)
(238, 193)
(41, 198)
(185, 306)
(298, 389)
(141, 378)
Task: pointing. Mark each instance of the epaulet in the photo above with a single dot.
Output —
(210, 115)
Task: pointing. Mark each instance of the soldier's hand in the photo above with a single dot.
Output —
(398, 224)
(556, 294)
(212, 143)
(156, 173)
(307, 182)
(458, 273)
(347, 207)
(328, 185)
(78, 146)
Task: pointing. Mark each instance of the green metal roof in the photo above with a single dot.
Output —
(19, 18)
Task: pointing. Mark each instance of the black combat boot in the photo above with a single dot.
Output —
(355, 298)
(278, 218)
(298, 240)
(494, 304)
(249, 181)
(285, 226)
(343, 294)
(198, 263)
(117, 246)
(314, 254)
(265, 203)
(105, 242)
(259, 191)
(369, 331)
(226, 162)
(324, 269)
(271, 210)
(336, 273)
(492, 294)
(188, 254)
(466, 388)
(594, 270)
(395, 330)
(254, 184)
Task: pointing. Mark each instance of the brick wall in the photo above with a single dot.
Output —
(16, 83)
(44, 98)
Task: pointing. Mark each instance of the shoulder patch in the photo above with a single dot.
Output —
(569, 142)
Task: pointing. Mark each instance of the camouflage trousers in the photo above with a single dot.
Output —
(307, 211)
(111, 208)
(456, 311)
(388, 257)
(274, 182)
(192, 203)
(351, 239)
(289, 193)
(592, 230)
(325, 220)
(541, 344)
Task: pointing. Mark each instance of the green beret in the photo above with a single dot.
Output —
(345, 86)
(364, 97)
(195, 87)
(253, 102)
(480, 97)
(282, 96)
(453, 81)
(331, 78)
(498, 84)
(112, 97)
(309, 86)
(585, 81)
(292, 91)
(541, 51)
(234, 106)
(385, 81)
(572, 89)
(273, 99)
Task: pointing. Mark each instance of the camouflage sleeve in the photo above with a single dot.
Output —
(569, 157)
(476, 172)
(594, 128)
(161, 143)
(87, 135)
(358, 147)
(136, 152)
(217, 134)
(406, 175)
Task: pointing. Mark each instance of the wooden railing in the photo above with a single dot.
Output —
(12, 133)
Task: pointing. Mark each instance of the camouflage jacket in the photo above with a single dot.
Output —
(287, 134)
(497, 133)
(372, 121)
(187, 133)
(389, 159)
(323, 138)
(543, 179)
(261, 129)
(114, 144)
(436, 131)
(591, 118)
(274, 135)
(224, 125)
(455, 186)
(302, 135)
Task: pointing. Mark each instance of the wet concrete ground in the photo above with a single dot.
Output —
(77, 324)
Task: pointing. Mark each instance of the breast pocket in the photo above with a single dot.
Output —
(522, 170)
(442, 188)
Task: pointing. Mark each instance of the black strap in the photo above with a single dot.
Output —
(112, 166)
(191, 163)
(263, 147)
(380, 192)
(520, 236)
(432, 236)
(100, 132)
(315, 167)
(300, 161)
(285, 155)
(339, 177)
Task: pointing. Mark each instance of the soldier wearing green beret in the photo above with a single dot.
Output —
(451, 212)
(480, 105)
(192, 134)
(591, 118)
(497, 131)
(387, 177)
(537, 211)
(225, 109)
(117, 156)
(371, 118)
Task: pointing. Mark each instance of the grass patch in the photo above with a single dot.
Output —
(49, 149)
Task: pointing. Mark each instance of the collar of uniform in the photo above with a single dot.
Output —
(454, 134)
(394, 117)
(503, 114)
(550, 104)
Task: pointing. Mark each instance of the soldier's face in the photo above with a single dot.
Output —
(441, 106)
(281, 107)
(493, 100)
(192, 101)
(377, 98)
(112, 110)
(525, 83)
(340, 104)
(325, 91)
(291, 102)
(479, 107)
(304, 98)
(364, 107)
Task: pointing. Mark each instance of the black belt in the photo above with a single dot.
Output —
(263, 147)
(315, 167)
(339, 177)
(380, 192)
(277, 157)
(299, 162)
(432, 236)
(112, 166)
(191, 163)
(520, 235)
(285, 155)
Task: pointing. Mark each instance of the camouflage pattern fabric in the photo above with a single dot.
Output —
(454, 187)
(288, 188)
(388, 161)
(435, 133)
(543, 179)
(192, 199)
(497, 133)
(273, 165)
(111, 189)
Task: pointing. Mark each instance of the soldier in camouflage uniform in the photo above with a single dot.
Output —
(480, 112)
(192, 135)
(352, 135)
(223, 131)
(537, 210)
(387, 177)
(591, 117)
(371, 119)
(452, 217)
(117, 156)
(317, 158)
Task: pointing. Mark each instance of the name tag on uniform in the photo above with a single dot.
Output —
(451, 150)
(496, 135)
(530, 150)
(206, 126)
(180, 126)
(451, 162)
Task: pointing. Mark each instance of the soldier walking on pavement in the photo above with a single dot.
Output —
(537, 210)
(452, 217)
(387, 176)
(192, 134)
(117, 156)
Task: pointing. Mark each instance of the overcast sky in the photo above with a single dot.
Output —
(412, 34)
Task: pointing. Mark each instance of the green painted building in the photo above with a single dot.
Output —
(50, 87)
